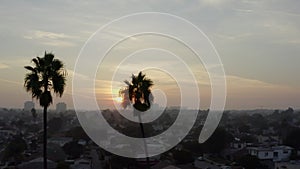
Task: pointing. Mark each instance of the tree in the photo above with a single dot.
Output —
(293, 138)
(77, 133)
(244, 128)
(34, 114)
(63, 165)
(46, 76)
(218, 141)
(54, 125)
(249, 162)
(14, 149)
(138, 93)
(73, 149)
(182, 156)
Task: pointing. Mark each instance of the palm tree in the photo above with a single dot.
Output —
(138, 92)
(47, 75)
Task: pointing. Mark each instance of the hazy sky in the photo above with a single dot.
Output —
(258, 42)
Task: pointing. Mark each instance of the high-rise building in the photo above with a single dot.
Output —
(28, 105)
(61, 107)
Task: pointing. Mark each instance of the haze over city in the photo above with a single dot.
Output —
(258, 43)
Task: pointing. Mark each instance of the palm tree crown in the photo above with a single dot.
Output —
(47, 74)
(137, 92)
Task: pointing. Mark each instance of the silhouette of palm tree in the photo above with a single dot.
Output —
(138, 92)
(47, 74)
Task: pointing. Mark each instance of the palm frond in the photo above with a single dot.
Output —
(41, 63)
(33, 85)
(30, 68)
(36, 62)
(48, 58)
(59, 83)
(57, 65)
(127, 82)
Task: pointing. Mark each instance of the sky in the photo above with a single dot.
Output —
(257, 40)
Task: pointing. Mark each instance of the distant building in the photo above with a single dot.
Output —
(28, 105)
(238, 145)
(61, 107)
(276, 153)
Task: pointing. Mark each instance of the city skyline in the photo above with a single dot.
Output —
(257, 42)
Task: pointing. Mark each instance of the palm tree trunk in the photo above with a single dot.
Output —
(143, 135)
(45, 138)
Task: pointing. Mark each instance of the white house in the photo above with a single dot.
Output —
(276, 153)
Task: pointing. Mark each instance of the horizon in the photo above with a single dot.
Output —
(52, 108)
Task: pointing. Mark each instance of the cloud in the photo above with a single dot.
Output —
(51, 38)
(234, 37)
(3, 66)
(216, 3)
(115, 34)
(235, 82)
(48, 35)
(10, 82)
(59, 43)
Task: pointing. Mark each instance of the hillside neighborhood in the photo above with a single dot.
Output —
(254, 139)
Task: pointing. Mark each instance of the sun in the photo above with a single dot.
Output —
(118, 99)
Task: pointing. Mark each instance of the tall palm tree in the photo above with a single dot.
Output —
(47, 75)
(138, 93)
